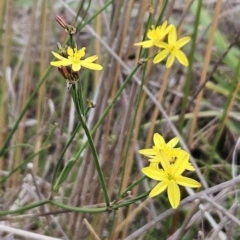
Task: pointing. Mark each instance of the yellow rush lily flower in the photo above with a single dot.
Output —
(74, 59)
(170, 177)
(172, 49)
(156, 35)
(160, 145)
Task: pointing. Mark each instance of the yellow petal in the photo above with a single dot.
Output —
(76, 67)
(159, 141)
(92, 66)
(147, 151)
(153, 33)
(181, 152)
(79, 54)
(154, 160)
(160, 56)
(167, 30)
(154, 173)
(153, 164)
(145, 44)
(172, 36)
(91, 59)
(58, 56)
(163, 30)
(173, 194)
(187, 182)
(162, 45)
(182, 41)
(181, 164)
(64, 62)
(181, 57)
(164, 25)
(70, 51)
(190, 167)
(170, 61)
(173, 142)
(159, 188)
(164, 160)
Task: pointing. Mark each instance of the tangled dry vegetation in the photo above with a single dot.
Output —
(39, 129)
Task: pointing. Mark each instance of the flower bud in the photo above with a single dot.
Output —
(68, 28)
(69, 75)
(64, 72)
(61, 21)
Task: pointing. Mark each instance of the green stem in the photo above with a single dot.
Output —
(74, 209)
(71, 41)
(80, 9)
(162, 12)
(107, 109)
(78, 103)
(95, 158)
(80, 97)
(77, 100)
(81, 26)
(96, 127)
(133, 200)
(25, 208)
(86, 10)
(187, 85)
(77, 209)
(122, 195)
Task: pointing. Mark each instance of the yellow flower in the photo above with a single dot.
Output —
(170, 177)
(74, 59)
(179, 153)
(160, 145)
(156, 35)
(172, 48)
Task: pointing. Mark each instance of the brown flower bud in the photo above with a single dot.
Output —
(64, 72)
(68, 28)
(61, 21)
(69, 75)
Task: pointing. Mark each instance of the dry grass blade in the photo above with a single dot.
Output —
(205, 69)
(25, 234)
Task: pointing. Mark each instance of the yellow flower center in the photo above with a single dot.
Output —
(171, 48)
(173, 159)
(170, 177)
(75, 58)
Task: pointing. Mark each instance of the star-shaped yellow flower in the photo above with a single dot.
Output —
(74, 59)
(156, 35)
(160, 145)
(170, 177)
(172, 49)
